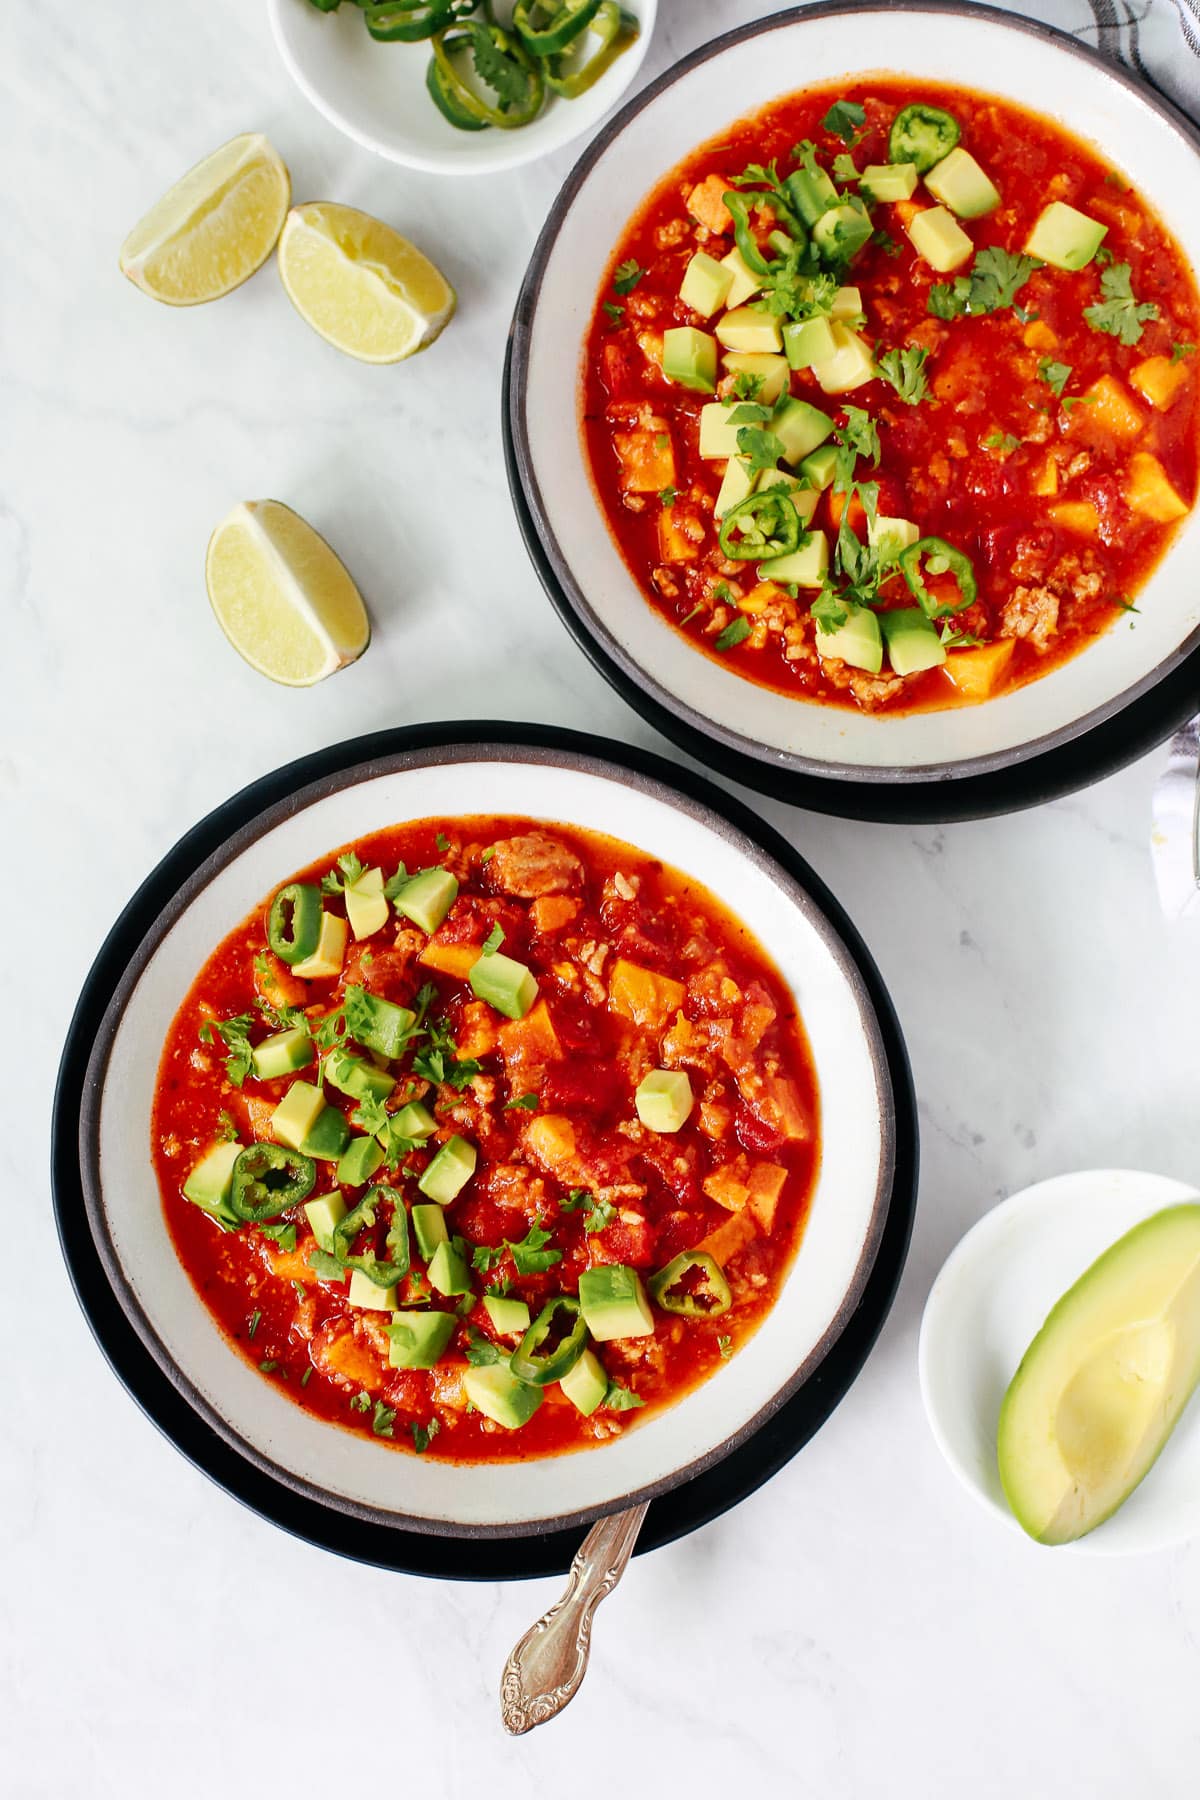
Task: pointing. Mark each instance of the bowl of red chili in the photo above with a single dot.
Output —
(470, 1175)
(879, 483)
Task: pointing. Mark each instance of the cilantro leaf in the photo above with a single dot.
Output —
(530, 1257)
(1179, 351)
(383, 1419)
(725, 1346)
(845, 168)
(486, 1256)
(762, 449)
(508, 79)
(351, 871)
(844, 119)
(995, 279)
(615, 313)
(829, 610)
(525, 1103)
(668, 496)
(619, 1398)
(325, 1267)
(734, 633)
(235, 1035)
(371, 1114)
(1055, 375)
(905, 371)
(599, 1216)
(423, 1435)
(394, 883)
(751, 412)
(626, 276)
(747, 386)
(1119, 312)
(481, 1352)
(228, 1129)
(361, 1402)
(575, 1199)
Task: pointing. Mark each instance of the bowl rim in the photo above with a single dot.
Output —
(787, 1419)
(1083, 750)
(503, 149)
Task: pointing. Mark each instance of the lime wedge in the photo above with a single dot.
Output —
(214, 228)
(363, 287)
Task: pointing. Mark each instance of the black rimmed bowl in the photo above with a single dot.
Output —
(346, 1491)
(1124, 693)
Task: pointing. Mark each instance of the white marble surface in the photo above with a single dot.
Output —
(859, 1627)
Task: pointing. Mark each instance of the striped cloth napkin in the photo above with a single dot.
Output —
(1157, 39)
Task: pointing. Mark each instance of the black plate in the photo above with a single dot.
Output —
(1073, 757)
(671, 1516)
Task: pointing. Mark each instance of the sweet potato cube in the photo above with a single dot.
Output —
(978, 673)
(290, 1265)
(1159, 380)
(1045, 482)
(1076, 515)
(552, 1140)
(724, 1243)
(1110, 409)
(767, 1182)
(642, 995)
(1037, 335)
(531, 1040)
(706, 203)
(764, 594)
(674, 544)
(552, 912)
(344, 1355)
(1149, 492)
(647, 461)
(729, 1185)
(451, 959)
(476, 1035)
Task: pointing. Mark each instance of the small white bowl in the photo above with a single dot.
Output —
(989, 1301)
(376, 93)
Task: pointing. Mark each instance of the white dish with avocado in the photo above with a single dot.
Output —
(1059, 1350)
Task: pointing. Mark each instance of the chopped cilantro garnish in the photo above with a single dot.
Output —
(747, 386)
(733, 634)
(394, 883)
(616, 314)
(255, 1322)
(1002, 440)
(762, 449)
(845, 168)
(575, 1199)
(619, 1398)
(423, 1435)
(530, 1257)
(1179, 351)
(371, 1114)
(486, 1256)
(668, 496)
(481, 1352)
(361, 1402)
(525, 1103)
(269, 1365)
(441, 842)
(1055, 375)
(996, 277)
(725, 1346)
(439, 1061)
(844, 119)
(382, 1420)
(227, 1126)
(235, 1035)
(281, 1234)
(626, 276)
(905, 371)
(351, 869)
(1119, 313)
(599, 1217)
(306, 1377)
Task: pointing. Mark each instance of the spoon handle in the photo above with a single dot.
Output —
(549, 1663)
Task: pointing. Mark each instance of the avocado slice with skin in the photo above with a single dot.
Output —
(1103, 1384)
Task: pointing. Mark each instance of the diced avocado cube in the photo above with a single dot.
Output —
(586, 1384)
(355, 1076)
(912, 641)
(811, 191)
(377, 1024)
(805, 567)
(508, 1316)
(847, 304)
(745, 282)
(414, 1121)
(804, 499)
(282, 1053)
(891, 536)
(800, 428)
(745, 328)
(502, 1396)
(664, 1099)
(840, 233)
(1065, 238)
(296, 1114)
(327, 959)
(959, 183)
(858, 641)
(771, 372)
(718, 436)
(428, 897)
(211, 1181)
(939, 239)
(327, 1136)
(820, 468)
(689, 358)
(429, 1228)
(736, 485)
(850, 365)
(614, 1304)
(324, 1215)
(419, 1338)
(366, 909)
(507, 985)
(705, 285)
(361, 1159)
(888, 181)
(808, 341)
(366, 1293)
(449, 1171)
(448, 1271)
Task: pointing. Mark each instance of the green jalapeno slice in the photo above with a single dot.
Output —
(942, 559)
(294, 921)
(384, 1273)
(694, 1285)
(760, 526)
(614, 31)
(451, 108)
(410, 21)
(500, 63)
(545, 28)
(553, 1344)
(267, 1180)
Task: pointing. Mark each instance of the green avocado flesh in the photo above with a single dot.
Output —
(1103, 1383)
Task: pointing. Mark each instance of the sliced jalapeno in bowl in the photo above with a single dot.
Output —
(294, 921)
(553, 1344)
(693, 1285)
(269, 1179)
(451, 107)
(547, 28)
(614, 31)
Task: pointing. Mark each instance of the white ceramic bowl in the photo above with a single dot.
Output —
(376, 94)
(763, 737)
(986, 1306)
(343, 1470)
